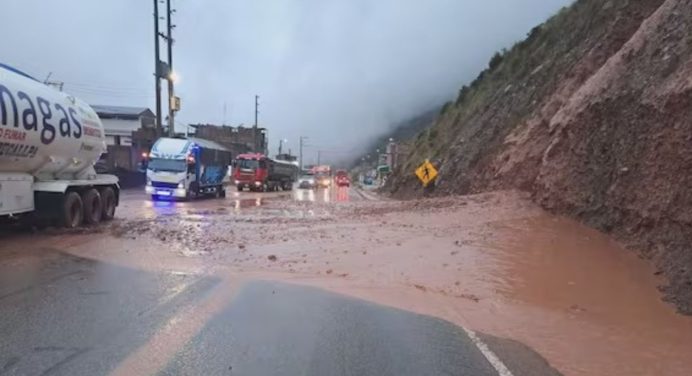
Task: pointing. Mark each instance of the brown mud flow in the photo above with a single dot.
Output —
(494, 262)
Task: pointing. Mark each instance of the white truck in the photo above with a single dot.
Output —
(49, 142)
(187, 167)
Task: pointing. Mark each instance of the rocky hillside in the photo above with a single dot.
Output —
(592, 114)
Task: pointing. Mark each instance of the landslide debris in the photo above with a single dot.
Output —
(591, 114)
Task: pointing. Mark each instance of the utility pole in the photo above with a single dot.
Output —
(157, 65)
(281, 144)
(171, 95)
(255, 129)
(300, 158)
(319, 157)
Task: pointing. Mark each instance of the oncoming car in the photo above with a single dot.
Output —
(307, 182)
(323, 181)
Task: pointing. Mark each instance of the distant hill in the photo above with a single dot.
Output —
(402, 131)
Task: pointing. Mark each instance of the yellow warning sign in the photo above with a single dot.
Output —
(426, 173)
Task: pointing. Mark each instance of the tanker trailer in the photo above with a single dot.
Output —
(49, 142)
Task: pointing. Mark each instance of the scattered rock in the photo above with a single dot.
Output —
(469, 297)
(271, 258)
(420, 287)
(329, 271)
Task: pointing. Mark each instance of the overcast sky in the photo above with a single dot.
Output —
(338, 71)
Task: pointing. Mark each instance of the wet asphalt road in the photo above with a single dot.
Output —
(65, 315)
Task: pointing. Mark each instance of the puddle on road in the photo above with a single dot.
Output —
(247, 203)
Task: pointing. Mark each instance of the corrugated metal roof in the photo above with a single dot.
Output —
(120, 111)
(207, 144)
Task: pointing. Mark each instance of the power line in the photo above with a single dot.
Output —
(104, 87)
(141, 93)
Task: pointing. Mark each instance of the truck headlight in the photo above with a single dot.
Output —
(258, 183)
(181, 185)
(236, 182)
(148, 181)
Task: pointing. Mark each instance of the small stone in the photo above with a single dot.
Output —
(271, 258)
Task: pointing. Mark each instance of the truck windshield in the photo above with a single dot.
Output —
(248, 164)
(173, 165)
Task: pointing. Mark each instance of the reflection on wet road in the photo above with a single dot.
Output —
(135, 205)
(332, 194)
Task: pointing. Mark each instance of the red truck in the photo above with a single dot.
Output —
(259, 173)
(342, 179)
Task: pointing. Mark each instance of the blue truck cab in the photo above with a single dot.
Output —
(186, 168)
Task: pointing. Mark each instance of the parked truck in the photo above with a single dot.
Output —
(49, 142)
(186, 168)
(257, 172)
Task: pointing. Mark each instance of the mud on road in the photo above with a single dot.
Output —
(492, 262)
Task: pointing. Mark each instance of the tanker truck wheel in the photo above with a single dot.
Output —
(108, 203)
(92, 206)
(72, 213)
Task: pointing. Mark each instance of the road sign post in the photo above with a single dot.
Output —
(426, 173)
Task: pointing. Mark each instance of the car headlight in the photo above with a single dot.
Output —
(181, 184)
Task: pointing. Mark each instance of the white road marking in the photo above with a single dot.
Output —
(494, 361)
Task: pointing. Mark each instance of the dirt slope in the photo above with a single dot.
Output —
(592, 114)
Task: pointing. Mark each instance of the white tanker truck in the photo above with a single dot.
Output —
(49, 142)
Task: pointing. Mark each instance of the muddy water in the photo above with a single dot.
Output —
(502, 266)
(593, 295)
(493, 262)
